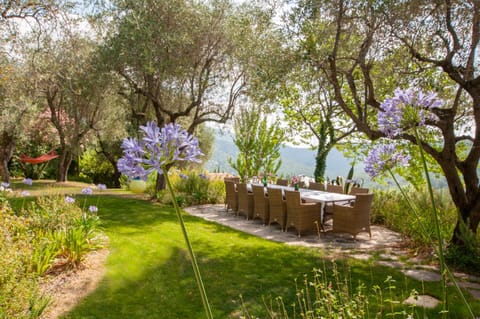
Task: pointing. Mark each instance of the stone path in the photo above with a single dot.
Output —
(381, 237)
(387, 245)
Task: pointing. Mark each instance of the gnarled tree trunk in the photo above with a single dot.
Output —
(64, 162)
(7, 146)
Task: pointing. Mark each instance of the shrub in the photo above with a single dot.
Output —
(18, 297)
(391, 209)
(216, 191)
(194, 186)
(74, 245)
(44, 251)
(47, 234)
(467, 256)
(94, 167)
(191, 188)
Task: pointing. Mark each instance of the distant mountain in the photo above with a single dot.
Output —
(295, 160)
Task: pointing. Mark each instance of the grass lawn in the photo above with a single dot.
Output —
(149, 274)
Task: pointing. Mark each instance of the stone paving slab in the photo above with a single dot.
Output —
(425, 301)
(391, 264)
(422, 275)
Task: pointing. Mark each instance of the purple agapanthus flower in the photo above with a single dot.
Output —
(25, 193)
(69, 200)
(87, 191)
(407, 108)
(183, 176)
(101, 187)
(28, 181)
(5, 185)
(93, 209)
(157, 148)
(384, 157)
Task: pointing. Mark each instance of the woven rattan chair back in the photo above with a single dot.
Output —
(236, 179)
(316, 186)
(277, 207)
(335, 188)
(301, 216)
(245, 201)
(231, 196)
(282, 182)
(353, 219)
(260, 204)
(359, 190)
(292, 199)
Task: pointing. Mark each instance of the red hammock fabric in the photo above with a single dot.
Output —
(37, 160)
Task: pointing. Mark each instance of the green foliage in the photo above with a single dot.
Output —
(323, 298)
(193, 188)
(44, 251)
(391, 209)
(74, 245)
(467, 256)
(96, 168)
(46, 234)
(309, 113)
(258, 144)
(140, 46)
(35, 171)
(331, 294)
(18, 287)
(348, 182)
(63, 232)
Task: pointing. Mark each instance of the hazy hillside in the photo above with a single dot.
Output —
(294, 160)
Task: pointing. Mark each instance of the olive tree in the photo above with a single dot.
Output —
(180, 57)
(74, 91)
(15, 106)
(15, 92)
(314, 119)
(367, 48)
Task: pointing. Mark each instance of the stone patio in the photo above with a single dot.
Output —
(382, 238)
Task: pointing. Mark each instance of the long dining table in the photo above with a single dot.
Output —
(313, 196)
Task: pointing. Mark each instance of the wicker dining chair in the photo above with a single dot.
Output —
(302, 216)
(359, 190)
(335, 188)
(282, 182)
(316, 186)
(353, 219)
(231, 196)
(245, 201)
(260, 204)
(235, 179)
(277, 207)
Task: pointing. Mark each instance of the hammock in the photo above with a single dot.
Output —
(37, 160)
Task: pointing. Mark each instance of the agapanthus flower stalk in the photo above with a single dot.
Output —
(156, 151)
(407, 109)
(383, 158)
